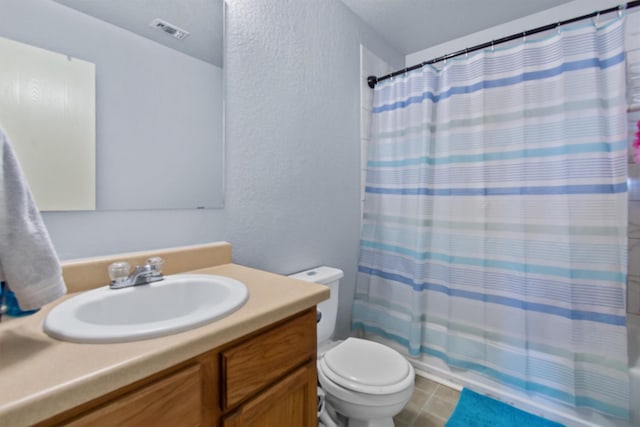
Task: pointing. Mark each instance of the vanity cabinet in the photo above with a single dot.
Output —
(265, 379)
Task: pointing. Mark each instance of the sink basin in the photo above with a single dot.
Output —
(175, 304)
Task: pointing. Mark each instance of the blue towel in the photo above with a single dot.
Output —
(476, 410)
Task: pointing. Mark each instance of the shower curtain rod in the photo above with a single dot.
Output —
(372, 80)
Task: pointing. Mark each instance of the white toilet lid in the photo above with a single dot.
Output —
(367, 367)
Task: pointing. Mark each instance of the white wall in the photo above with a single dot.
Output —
(293, 109)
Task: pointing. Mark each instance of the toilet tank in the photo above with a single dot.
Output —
(328, 309)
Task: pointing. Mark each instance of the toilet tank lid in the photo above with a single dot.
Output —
(321, 275)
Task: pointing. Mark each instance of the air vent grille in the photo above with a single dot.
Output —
(170, 29)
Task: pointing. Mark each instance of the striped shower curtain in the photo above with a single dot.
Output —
(494, 231)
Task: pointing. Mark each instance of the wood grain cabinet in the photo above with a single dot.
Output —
(266, 379)
(290, 402)
(176, 400)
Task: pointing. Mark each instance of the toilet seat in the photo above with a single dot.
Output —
(335, 392)
(367, 367)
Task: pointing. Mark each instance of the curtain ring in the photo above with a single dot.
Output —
(524, 36)
(621, 9)
(596, 19)
(493, 46)
(559, 28)
(466, 52)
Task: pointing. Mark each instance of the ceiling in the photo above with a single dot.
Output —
(413, 25)
(408, 25)
(203, 19)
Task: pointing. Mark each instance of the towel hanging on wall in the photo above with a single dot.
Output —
(28, 262)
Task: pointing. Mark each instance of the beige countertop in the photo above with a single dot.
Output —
(41, 376)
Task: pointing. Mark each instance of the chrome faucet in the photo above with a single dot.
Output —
(141, 275)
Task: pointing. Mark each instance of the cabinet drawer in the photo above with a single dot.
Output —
(253, 364)
(175, 400)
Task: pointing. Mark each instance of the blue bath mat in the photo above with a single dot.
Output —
(476, 410)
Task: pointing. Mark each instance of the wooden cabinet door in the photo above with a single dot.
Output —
(260, 361)
(174, 401)
(292, 402)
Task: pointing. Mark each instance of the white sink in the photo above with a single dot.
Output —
(175, 304)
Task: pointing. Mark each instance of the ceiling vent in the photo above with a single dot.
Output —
(170, 29)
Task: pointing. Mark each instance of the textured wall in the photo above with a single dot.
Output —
(293, 153)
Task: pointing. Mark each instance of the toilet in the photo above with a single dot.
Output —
(365, 382)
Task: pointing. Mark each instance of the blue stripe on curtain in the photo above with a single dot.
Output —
(496, 299)
(530, 170)
(598, 147)
(504, 191)
(488, 84)
(562, 291)
(494, 233)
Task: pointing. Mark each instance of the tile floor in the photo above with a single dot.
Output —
(430, 406)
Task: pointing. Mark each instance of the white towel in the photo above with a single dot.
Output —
(28, 262)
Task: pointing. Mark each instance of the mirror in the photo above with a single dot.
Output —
(158, 99)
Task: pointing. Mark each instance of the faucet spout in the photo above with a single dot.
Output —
(145, 274)
(141, 275)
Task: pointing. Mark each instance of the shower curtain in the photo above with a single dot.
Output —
(494, 231)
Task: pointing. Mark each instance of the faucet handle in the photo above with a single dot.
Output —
(119, 271)
(156, 263)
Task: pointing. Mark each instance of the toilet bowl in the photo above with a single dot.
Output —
(364, 381)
